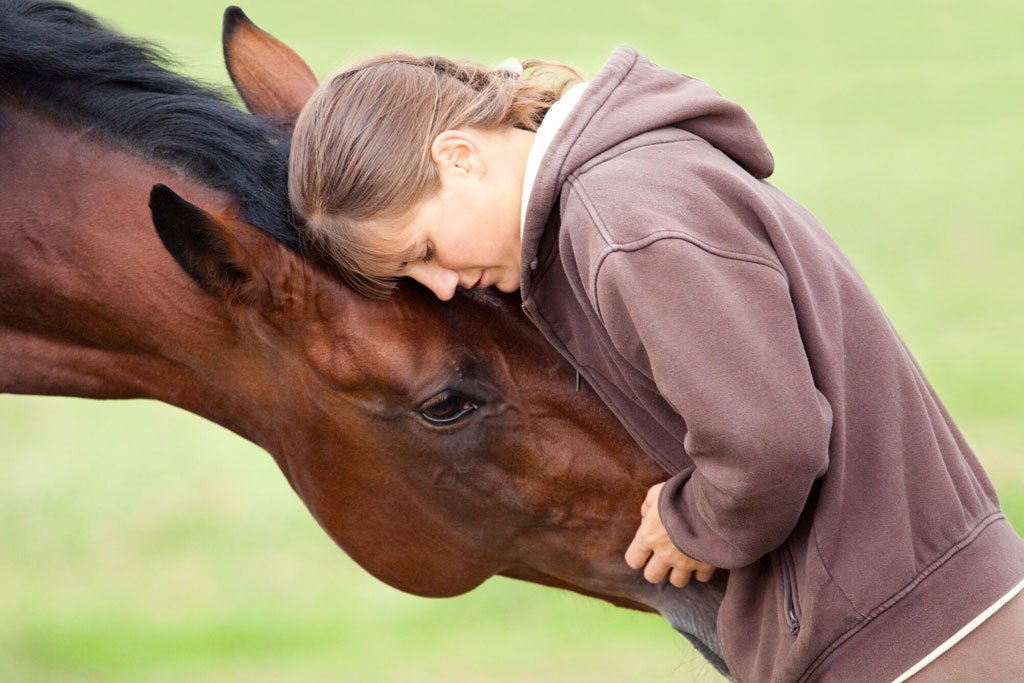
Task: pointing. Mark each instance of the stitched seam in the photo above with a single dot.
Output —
(636, 245)
(588, 204)
(828, 573)
(594, 163)
(669, 234)
(903, 592)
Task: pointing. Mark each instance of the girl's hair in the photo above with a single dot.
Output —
(361, 146)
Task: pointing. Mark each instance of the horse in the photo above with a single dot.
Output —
(149, 252)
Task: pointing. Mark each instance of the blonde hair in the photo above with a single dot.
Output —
(361, 146)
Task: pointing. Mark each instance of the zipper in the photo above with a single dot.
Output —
(790, 596)
(665, 463)
(529, 316)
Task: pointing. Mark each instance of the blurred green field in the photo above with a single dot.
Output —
(139, 543)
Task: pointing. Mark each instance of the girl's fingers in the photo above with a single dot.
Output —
(651, 499)
(656, 570)
(679, 577)
(704, 573)
(637, 552)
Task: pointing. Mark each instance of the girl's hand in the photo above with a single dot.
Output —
(652, 547)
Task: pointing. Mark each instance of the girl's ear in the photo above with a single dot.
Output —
(458, 152)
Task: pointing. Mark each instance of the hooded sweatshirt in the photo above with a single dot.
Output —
(804, 449)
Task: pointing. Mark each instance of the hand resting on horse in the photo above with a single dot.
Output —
(652, 547)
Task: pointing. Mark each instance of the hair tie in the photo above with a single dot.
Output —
(512, 66)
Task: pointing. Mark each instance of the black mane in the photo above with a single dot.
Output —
(64, 61)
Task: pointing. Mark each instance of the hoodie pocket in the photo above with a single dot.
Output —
(791, 598)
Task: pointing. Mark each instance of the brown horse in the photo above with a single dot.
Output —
(451, 431)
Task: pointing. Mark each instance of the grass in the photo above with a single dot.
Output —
(143, 544)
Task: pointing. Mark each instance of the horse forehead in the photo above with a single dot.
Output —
(382, 338)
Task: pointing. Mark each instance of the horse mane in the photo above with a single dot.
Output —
(67, 63)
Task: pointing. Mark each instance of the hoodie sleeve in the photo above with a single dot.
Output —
(718, 336)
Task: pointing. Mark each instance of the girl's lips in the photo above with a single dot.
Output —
(482, 282)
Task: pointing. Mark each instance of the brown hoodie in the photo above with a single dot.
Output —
(736, 343)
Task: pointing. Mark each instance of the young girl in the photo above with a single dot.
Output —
(718, 321)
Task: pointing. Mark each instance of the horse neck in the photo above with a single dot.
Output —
(92, 304)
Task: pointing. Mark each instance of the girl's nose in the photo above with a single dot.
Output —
(440, 281)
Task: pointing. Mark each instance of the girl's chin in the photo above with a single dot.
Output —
(506, 284)
(508, 287)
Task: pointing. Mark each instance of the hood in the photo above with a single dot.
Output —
(631, 95)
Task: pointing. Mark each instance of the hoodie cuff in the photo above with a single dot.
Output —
(689, 532)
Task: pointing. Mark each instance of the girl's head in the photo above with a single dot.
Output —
(406, 166)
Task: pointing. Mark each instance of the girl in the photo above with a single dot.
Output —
(712, 313)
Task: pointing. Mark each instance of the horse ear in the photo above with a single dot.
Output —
(222, 259)
(271, 78)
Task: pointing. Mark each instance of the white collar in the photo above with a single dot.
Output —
(553, 120)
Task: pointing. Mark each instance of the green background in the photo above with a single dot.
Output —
(140, 543)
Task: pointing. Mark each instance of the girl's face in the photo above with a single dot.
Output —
(468, 233)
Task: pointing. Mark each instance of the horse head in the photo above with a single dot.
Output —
(438, 443)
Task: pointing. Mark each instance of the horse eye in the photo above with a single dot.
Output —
(446, 408)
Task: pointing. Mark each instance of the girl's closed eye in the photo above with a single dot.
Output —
(428, 254)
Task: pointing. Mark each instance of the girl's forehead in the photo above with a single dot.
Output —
(392, 241)
(395, 240)
(406, 232)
